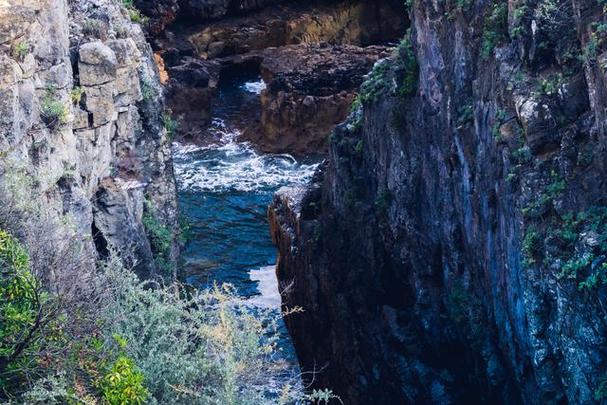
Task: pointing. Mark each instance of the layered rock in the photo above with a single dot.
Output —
(83, 117)
(310, 89)
(453, 247)
(193, 50)
(354, 23)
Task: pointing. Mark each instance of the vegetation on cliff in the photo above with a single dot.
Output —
(142, 342)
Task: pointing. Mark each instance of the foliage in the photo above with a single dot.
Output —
(171, 125)
(196, 347)
(465, 114)
(76, 94)
(19, 304)
(148, 92)
(20, 50)
(519, 16)
(399, 73)
(52, 110)
(94, 28)
(134, 14)
(600, 393)
(531, 246)
(123, 383)
(546, 197)
(356, 114)
(551, 84)
(495, 30)
(408, 69)
(376, 82)
(160, 236)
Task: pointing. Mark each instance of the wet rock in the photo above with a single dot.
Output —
(310, 89)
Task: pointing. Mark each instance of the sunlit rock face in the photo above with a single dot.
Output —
(310, 89)
(82, 109)
(449, 250)
(329, 46)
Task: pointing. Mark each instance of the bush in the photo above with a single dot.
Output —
(76, 95)
(496, 28)
(160, 237)
(134, 13)
(20, 301)
(408, 68)
(20, 50)
(123, 384)
(197, 347)
(170, 124)
(52, 111)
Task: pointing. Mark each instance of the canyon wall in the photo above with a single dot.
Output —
(453, 247)
(81, 133)
(197, 50)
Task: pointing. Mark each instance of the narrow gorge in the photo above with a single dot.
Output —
(321, 201)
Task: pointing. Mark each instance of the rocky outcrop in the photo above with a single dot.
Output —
(191, 50)
(83, 117)
(453, 248)
(310, 89)
(353, 23)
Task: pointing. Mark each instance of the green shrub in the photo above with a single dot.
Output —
(160, 236)
(376, 82)
(495, 30)
(531, 246)
(19, 304)
(76, 94)
(170, 124)
(148, 92)
(52, 110)
(196, 347)
(408, 68)
(123, 383)
(20, 50)
(134, 14)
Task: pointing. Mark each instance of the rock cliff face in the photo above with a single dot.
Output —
(82, 117)
(453, 247)
(310, 89)
(196, 52)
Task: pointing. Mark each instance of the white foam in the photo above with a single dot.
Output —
(267, 285)
(254, 87)
(235, 166)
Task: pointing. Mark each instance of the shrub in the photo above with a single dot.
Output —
(148, 92)
(134, 14)
(20, 302)
(376, 82)
(531, 246)
(196, 347)
(170, 124)
(20, 50)
(52, 111)
(161, 238)
(496, 25)
(123, 384)
(76, 94)
(408, 68)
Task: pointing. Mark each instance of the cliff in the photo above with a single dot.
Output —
(453, 246)
(82, 130)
